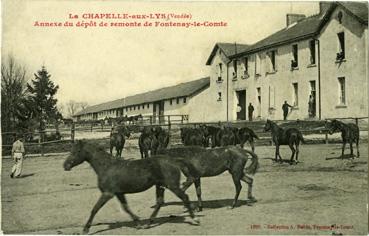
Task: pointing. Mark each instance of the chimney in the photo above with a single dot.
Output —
(292, 18)
(324, 6)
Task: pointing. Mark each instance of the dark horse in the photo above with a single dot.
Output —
(119, 177)
(117, 139)
(350, 133)
(247, 135)
(290, 136)
(193, 136)
(196, 162)
(152, 138)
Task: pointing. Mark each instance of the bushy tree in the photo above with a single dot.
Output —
(43, 102)
(14, 110)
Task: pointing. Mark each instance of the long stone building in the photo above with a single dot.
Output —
(318, 64)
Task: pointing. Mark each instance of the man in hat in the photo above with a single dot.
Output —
(285, 109)
(17, 155)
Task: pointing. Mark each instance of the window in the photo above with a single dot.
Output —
(184, 100)
(272, 65)
(130, 108)
(171, 101)
(295, 57)
(342, 91)
(138, 107)
(177, 100)
(219, 96)
(234, 69)
(246, 68)
(295, 94)
(148, 105)
(134, 108)
(312, 51)
(220, 71)
(143, 106)
(341, 46)
(257, 65)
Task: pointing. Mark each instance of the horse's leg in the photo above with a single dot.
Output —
(238, 186)
(249, 182)
(198, 193)
(351, 150)
(357, 148)
(251, 141)
(293, 151)
(343, 148)
(104, 198)
(124, 204)
(189, 181)
(111, 150)
(184, 197)
(159, 201)
(297, 151)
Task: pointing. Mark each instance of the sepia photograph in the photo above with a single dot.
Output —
(184, 117)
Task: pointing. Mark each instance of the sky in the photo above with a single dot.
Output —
(99, 64)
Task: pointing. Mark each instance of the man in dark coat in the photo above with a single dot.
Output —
(285, 107)
(251, 110)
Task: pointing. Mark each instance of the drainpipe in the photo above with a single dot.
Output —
(319, 94)
(228, 88)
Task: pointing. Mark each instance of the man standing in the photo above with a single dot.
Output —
(285, 109)
(17, 155)
(251, 110)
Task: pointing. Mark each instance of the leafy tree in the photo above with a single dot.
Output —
(14, 110)
(43, 102)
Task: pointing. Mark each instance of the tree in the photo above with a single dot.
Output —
(73, 107)
(42, 91)
(14, 110)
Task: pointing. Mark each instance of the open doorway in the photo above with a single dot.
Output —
(258, 93)
(312, 100)
(241, 106)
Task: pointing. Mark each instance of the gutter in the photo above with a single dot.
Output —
(228, 88)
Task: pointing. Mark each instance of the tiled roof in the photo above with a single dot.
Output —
(180, 90)
(359, 9)
(306, 27)
(229, 49)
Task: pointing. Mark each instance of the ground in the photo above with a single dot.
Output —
(307, 198)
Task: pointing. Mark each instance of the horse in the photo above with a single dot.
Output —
(212, 133)
(117, 139)
(147, 141)
(226, 136)
(290, 136)
(134, 119)
(162, 139)
(349, 132)
(247, 135)
(193, 137)
(197, 162)
(120, 177)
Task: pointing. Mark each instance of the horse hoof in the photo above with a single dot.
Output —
(85, 231)
(251, 200)
(195, 221)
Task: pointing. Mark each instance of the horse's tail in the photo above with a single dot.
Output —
(253, 134)
(254, 166)
(301, 137)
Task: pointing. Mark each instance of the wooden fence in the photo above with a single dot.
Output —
(172, 123)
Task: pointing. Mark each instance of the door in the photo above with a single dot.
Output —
(312, 99)
(241, 106)
(258, 91)
(161, 112)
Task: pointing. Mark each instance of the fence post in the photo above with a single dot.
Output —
(357, 121)
(72, 132)
(92, 125)
(182, 119)
(326, 132)
(40, 141)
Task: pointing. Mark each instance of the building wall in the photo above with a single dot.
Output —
(277, 86)
(217, 108)
(354, 68)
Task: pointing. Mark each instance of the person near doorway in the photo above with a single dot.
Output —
(285, 109)
(239, 109)
(310, 103)
(17, 155)
(251, 110)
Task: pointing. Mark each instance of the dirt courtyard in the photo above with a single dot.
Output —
(320, 195)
